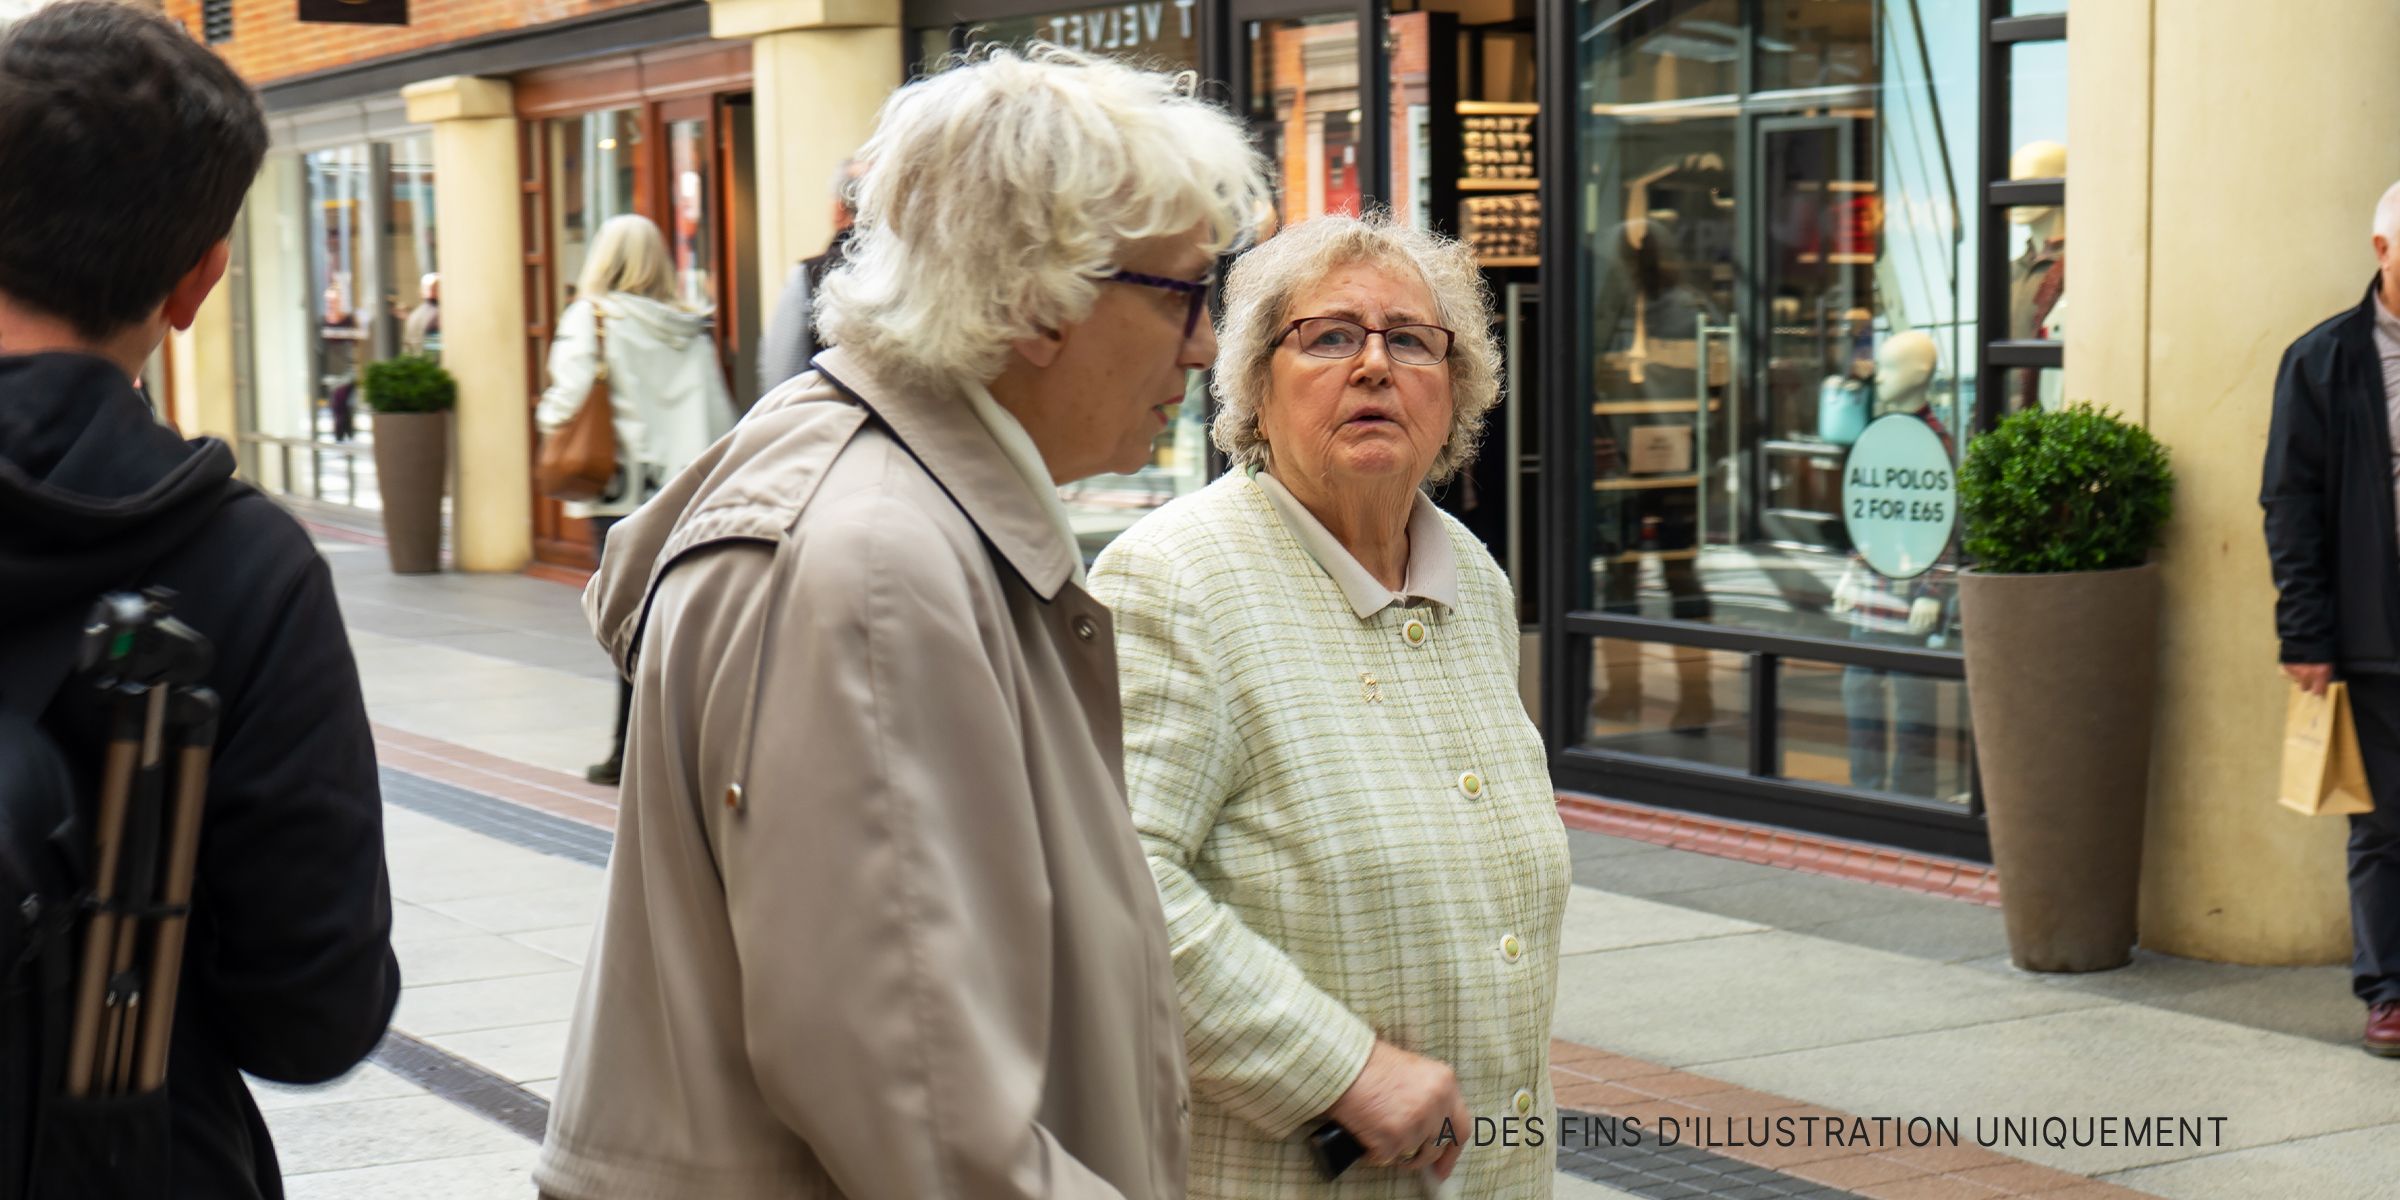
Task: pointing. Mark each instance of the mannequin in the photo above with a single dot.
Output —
(1904, 369)
(2037, 279)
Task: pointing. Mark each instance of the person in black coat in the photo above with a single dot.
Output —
(288, 970)
(2328, 491)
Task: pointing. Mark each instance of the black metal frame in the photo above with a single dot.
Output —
(1995, 349)
(1756, 794)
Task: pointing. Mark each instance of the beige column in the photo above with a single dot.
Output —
(821, 69)
(482, 256)
(203, 365)
(2222, 175)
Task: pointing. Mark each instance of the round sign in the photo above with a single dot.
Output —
(1899, 495)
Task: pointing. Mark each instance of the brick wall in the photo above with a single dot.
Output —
(269, 43)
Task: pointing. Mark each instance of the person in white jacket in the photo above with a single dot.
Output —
(665, 382)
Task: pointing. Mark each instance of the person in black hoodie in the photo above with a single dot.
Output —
(125, 151)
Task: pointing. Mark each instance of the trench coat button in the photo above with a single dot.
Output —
(1471, 784)
(1522, 1101)
(1414, 634)
(1512, 947)
(733, 795)
(1084, 628)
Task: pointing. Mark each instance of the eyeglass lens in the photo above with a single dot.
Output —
(1333, 337)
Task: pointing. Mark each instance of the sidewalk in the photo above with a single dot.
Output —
(1720, 994)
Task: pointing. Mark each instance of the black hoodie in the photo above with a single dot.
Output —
(288, 973)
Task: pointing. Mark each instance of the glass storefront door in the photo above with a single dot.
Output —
(1771, 254)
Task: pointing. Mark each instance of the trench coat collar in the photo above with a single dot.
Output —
(943, 434)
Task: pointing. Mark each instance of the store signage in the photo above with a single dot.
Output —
(1899, 495)
(1121, 30)
(355, 12)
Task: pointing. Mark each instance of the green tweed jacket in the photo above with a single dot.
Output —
(1353, 831)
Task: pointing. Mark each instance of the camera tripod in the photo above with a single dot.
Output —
(145, 840)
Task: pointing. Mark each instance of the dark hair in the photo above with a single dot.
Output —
(125, 150)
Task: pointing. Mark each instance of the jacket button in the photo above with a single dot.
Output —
(1083, 628)
(1414, 634)
(1512, 948)
(1522, 1101)
(733, 795)
(1471, 785)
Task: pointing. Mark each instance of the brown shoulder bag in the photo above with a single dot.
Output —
(579, 460)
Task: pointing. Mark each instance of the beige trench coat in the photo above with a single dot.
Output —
(877, 924)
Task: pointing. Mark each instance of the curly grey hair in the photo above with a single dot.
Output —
(1258, 300)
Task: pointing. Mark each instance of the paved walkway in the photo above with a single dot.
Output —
(1704, 996)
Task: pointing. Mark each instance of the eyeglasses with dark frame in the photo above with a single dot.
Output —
(1340, 337)
(1197, 291)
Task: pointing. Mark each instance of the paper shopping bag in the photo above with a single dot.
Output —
(2323, 774)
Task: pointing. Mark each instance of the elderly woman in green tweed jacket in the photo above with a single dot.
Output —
(1348, 813)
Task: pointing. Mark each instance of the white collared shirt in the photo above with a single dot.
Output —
(1432, 567)
(1027, 459)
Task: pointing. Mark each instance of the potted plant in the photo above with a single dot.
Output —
(411, 398)
(2060, 616)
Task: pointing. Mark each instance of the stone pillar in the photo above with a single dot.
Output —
(821, 69)
(476, 191)
(2210, 227)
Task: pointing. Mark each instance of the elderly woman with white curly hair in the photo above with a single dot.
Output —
(877, 923)
(1348, 814)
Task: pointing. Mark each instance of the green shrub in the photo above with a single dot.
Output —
(412, 383)
(2079, 489)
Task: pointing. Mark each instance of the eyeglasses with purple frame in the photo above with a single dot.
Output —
(1197, 291)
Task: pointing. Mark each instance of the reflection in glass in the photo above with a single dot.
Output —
(1665, 701)
(409, 247)
(1304, 110)
(691, 239)
(341, 284)
(595, 161)
(1886, 731)
(1160, 34)
(1766, 271)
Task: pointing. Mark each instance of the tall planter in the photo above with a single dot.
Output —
(2061, 672)
(2061, 509)
(411, 454)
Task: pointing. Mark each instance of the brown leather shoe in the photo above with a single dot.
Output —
(2383, 1029)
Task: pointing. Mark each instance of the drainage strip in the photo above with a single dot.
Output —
(1656, 1172)
(491, 816)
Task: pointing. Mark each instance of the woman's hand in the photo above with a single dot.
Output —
(1396, 1108)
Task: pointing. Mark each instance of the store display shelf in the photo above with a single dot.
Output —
(1628, 484)
(1510, 260)
(1824, 449)
(1499, 185)
(1498, 108)
(1618, 408)
(1661, 555)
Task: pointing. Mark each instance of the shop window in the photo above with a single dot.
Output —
(1771, 259)
(341, 247)
(1659, 700)
(691, 232)
(1160, 34)
(1874, 729)
(1307, 112)
(596, 172)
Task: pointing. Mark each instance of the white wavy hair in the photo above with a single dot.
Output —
(1258, 301)
(1000, 188)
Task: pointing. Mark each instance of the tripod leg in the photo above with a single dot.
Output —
(183, 852)
(116, 788)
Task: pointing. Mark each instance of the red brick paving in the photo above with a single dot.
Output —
(1923, 873)
(535, 787)
(1592, 1080)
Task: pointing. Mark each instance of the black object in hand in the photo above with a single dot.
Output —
(1334, 1148)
